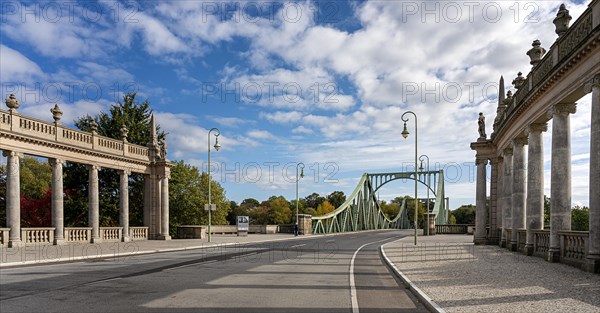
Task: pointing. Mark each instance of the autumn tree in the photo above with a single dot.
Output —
(324, 208)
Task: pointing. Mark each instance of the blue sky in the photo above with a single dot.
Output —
(319, 82)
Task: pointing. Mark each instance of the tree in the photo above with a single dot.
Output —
(336, 198)
(36, 212)
(135, 116)
(314, 200)
(580, 218)
(233, 213)
(465, 214)
(452, 219)
(391, 210)
(36, 178)
(279, 210)
(187, 195)
(547, 204)
(324, 208)
(410, 206)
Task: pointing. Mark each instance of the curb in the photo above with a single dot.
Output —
(153, 251)
(422, 296)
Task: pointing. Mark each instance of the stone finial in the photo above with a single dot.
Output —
(94, 127)
(518, 81)
(153, 133)
(56, 113)
(536, 53)
(562, 20)
(12, 103)
(509, 98)
(124, 133)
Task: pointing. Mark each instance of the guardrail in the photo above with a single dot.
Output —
(573, 247)
(541, 243)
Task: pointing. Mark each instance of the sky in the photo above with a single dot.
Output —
(324, 83)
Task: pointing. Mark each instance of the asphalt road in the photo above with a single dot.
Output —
(318, 274)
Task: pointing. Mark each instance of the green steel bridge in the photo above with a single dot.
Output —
(361, 211)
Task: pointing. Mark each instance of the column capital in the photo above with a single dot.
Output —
(520, 141)
(125, 172)
(536, 128)
(508, 151)
(9, 153)
(479, 161)
(164, 176)
(55, 162)
(562, 108)
(93, 167)
(594, 82)
(496, 160)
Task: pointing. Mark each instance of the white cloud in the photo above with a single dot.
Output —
(15, 67)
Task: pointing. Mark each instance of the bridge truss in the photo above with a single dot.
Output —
(362, 211)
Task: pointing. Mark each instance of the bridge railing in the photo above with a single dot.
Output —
(138, 233)
(452, 228)
(541, 242)
(37, 235)
(4, 236)
(573, 247)
(78, 234)
(111, 233)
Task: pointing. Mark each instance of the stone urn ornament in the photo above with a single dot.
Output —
(124, 133)
(518, 81)
(12, 103)
(536, 53)
(56, 113)
(94, 126)
(562, 20)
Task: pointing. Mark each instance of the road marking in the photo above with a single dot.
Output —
(353, 296)
(295, 246)
(330, 240)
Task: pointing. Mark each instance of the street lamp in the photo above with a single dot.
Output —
(299, 165)
(405, 134)
(217, 147)
(421, 158)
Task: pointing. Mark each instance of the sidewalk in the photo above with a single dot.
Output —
(461, 277)
(41, 254)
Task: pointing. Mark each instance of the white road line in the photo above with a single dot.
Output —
(295, 246)
(353, 296)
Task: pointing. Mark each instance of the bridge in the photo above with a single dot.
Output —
(559, 77)
(361, 211)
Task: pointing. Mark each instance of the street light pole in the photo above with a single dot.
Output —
(217, 147)
(299, 165)
(405, 134)
(421, 158)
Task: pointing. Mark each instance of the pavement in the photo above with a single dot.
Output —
(445, 272)
(457, 276)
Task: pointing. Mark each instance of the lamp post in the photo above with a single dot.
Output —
(421, 158)
(217, 147)
(298, 166)
(405, 134)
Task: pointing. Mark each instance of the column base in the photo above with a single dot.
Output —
(96, 240)
(163, 237)
(591, 265)
(553, 256)
(528, 249)
(60, 241)
(126, 239)
(16, 243)
(503, 243)
(514, 246)
(479, 241)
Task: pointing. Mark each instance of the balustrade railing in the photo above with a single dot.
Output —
(573, 246)
(138, 233)
(521, 239)
(78, 234)
(37, 235)
(111, 233)
(541, 242)
(4, 236)
(508, 236)
(452, 228)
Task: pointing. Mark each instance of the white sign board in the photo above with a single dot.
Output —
(243, 223)
(212, 207)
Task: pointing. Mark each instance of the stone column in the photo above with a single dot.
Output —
(500, 195)
(57, 201)
(164, 197)
(518, 190)
(94, 203)
(124, 203)
(593, 258)
(507, 187)
(535, 182)
(13, 198)
(492, 236)
(560, 177)
(480, 199)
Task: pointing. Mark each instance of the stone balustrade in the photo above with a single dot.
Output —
(111, 233)
(541, 243)
(521, 239)
(452, 228)
(37, 235)
(573, 247)
(138, 233)
(4, 233)
(78, 234)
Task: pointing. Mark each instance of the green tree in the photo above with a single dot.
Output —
(547, 204)
(410, 206)
(465, 214)
(314, 200)
(36, 178)
(580, 218)
(259, 215)
(188, 193)
(336, 198)
(391, 210)
(279, 210)
(452, 219)
(325, 208)
(135, 115)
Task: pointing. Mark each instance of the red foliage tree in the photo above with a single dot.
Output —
(36, 212)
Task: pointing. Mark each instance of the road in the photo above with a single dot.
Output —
(317, 274)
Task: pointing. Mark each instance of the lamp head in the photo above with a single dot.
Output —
(302, 173)
(421, 166)
(217, 145)
(405, 132)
